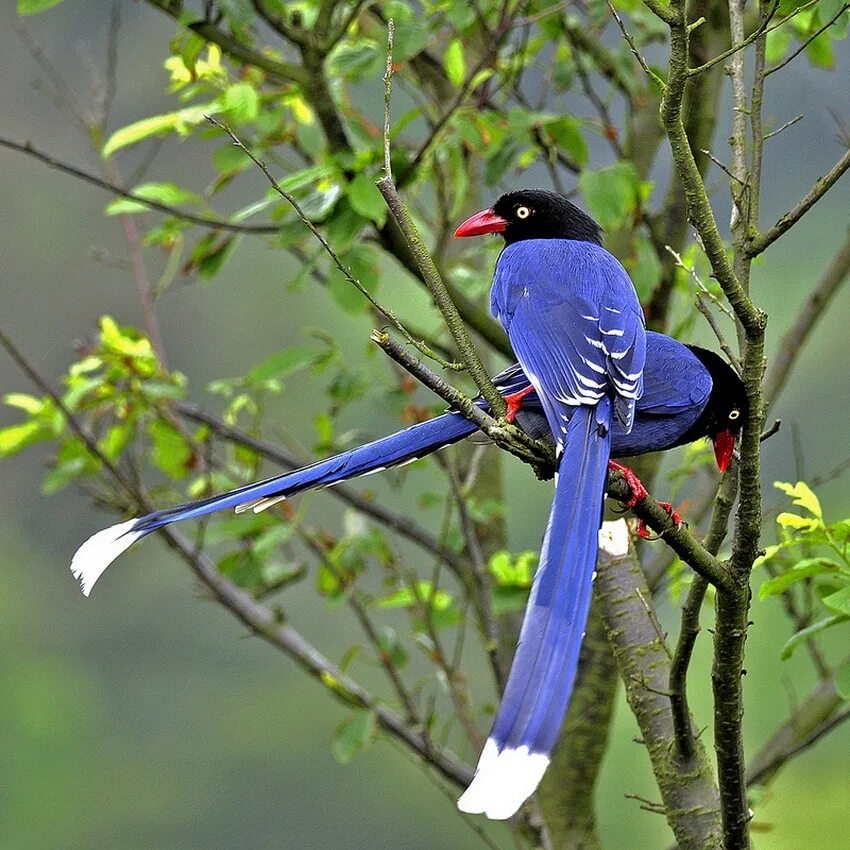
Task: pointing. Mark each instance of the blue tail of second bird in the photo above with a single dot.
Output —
(544, 667)
(98, 552)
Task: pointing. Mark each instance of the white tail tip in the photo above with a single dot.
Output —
(99, 551)
(614, 537)
(503, 781)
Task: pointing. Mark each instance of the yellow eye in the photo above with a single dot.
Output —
(734, 414)
(523, 212)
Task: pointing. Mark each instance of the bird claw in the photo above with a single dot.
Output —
(644, 533)
(514, 402)
(639, 492)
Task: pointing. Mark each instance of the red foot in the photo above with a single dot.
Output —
(644, 532)
(639, 492)
(514, 402)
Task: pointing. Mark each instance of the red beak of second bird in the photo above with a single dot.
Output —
(724, 446)
(487, 221)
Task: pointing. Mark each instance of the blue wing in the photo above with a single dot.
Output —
(574, 320)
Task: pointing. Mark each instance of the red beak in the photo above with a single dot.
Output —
(724, 446)
(484, 222)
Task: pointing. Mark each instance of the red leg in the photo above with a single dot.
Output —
(643, 531)
(514, 402)
(639, 492)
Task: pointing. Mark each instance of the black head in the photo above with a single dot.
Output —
(533, 214)
(727, 409)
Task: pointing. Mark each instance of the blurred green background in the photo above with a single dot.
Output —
(143, 718)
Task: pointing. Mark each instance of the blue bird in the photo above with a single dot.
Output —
(689, 393)
(574, 320)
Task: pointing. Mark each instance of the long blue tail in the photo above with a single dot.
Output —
(95, 555)
(544, 667)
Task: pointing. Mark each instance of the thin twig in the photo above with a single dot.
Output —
(808, 41)
(785, 126)
(633, 46)
(820, 188)
(94, 180)
(388, 93)
(762, 29)
(442, 298)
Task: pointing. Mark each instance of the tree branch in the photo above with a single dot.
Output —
(691, 802)
(94, 180)
(759, 243)
(819, 714)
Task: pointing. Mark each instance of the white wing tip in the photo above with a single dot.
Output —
(99, 551)
(503, 781)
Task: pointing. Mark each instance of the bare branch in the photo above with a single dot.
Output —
(261, 620)
(736, 48)
(820, 188)
(94, 180)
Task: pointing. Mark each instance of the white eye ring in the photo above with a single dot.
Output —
(734, 414)
(523, 212)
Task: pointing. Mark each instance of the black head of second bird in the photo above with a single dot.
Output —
(727, 409)
(533, 214)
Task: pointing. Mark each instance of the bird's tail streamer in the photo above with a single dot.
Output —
(98, 552)
(540, 683)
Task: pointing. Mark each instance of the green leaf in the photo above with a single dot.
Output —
(455, 63)
(795, 521)
(16, 438)
(165, 193)
(365, 199)
(811, 631)
(285, 362)
(34, 7)
(355, 60)
(839, 601)
(22, 401)
(565, 132)
(242, 101)
(392, 647)
(514, 571)
(410, 38)
(440, 600)
(778, 42)
(159, 125)
(611, 193)
(353, 736)
(802, 570)
(802, 495)
(209, 255)
(171, 452)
